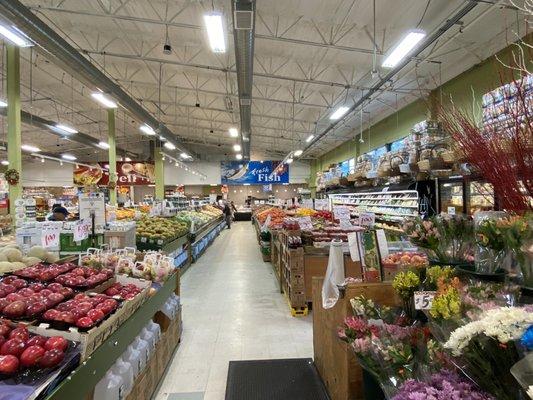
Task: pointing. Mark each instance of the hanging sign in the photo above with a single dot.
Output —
(82, 230)
(50, 235)
(129, 173)
(253, 172)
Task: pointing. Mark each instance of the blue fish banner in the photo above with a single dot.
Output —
(253, 172)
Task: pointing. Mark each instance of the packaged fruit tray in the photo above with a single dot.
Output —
(30, 362)
(21, 300)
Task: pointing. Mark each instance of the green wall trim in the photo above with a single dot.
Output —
(14, 124)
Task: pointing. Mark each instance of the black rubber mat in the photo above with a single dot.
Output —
(292, 379)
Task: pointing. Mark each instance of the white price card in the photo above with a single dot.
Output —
(451, 210)
(367, 219)
(321, 204)
(424, 299)
(50, 235)
(341, 213)
(305, 223)
(307, 203)
(82, 230)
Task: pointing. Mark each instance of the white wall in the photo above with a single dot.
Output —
(49, 173)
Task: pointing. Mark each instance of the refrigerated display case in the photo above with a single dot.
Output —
(480, 197)
(452, 197)
(460, 195)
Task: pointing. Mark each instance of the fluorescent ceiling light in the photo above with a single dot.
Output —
(215, 32)
(403, 48)
(309, 138)
(163, 139)
(30, 148)
(69, 157)
(237, 147)
(213, 184)
(298, 153)
(238, 156)
(66, 129)
(4, 162)
(15, 36)
(246, 184)
(3, 104)
(184, 155)
(289, 161)
(103, 145)
(339, 112)
(233, 132)
(104, 100)
(169, 146)
(147, 129)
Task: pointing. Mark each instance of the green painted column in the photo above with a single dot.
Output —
(14, 153)
(112, 141)
(159, 174)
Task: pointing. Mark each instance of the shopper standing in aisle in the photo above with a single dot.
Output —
(228, 213)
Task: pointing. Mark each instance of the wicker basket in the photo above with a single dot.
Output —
(448, 156)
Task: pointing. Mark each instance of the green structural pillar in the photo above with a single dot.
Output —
(159, 174)
(14, 154)
(112, 141)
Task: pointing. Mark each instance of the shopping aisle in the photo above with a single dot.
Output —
(232, 310)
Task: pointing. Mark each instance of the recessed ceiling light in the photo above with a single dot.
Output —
(103, 145)
(237, 147)
(233, 132)
(104, 100)
(238, 156)
(298, 153)
(66, 129)
(69, 157)
(169, 146)
(309, 138)
(15, 36)
(339, 112)
(215, 32)
(147, 129)
(30, 148)
(403, 48)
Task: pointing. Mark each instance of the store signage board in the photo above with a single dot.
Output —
(305, 223)
(367, 219)
(253, 172)
(93, 204)
(50, 234)
(424, 299)
(321, 204)
(129, 173)
(82, 229)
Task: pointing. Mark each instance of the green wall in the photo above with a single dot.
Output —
(465, 91)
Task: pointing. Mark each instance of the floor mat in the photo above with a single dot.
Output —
(294, 379)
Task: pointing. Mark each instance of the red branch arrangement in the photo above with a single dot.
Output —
(502, 153)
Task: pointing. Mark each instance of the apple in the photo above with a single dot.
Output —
(8, 364)
(15, 309)
(56, 298)
(37, 340)
(84, 322)
(66, 316)
(36, 308)
(25, 292)
(9, 279)
(46, 292)
(112, 291)
(4, 329)
(13, 347)
(3, 302)
(36, 287)
(96, 315)
(8, 288)
(19, 283)
(52, 315)
(11, 297)
(56, 342)
(51, 358)
(20, 332)
(31, 356)
(66, 292)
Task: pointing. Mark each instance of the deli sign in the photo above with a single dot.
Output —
(129, 173)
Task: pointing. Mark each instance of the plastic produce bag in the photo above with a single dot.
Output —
(334, 275)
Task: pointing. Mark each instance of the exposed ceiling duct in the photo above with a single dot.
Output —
(48, 125)
(73, 62)
(243, 35)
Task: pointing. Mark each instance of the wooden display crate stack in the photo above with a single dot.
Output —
(292, 271)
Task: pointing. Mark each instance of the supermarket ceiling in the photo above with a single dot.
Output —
(309, 57)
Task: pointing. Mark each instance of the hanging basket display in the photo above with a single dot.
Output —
(12, 176)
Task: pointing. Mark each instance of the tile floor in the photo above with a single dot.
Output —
(232, 310)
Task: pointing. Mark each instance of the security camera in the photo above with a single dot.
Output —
(167, 48)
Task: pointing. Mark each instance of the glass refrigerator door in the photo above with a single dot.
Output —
(451, 197)
(480, 197)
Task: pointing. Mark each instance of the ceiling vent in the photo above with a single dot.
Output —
(244, 17)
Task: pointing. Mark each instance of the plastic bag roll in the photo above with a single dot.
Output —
(334, 275)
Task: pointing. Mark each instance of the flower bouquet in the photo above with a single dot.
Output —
(405, 283)
(490, 238)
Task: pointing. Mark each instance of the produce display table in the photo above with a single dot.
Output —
(80, 383)
(335, 362)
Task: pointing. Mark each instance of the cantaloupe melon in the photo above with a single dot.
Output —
(29, 261)
(13, 255)
(37, 251)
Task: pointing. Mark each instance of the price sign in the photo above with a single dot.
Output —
(451, 210)
(341, 213)
(305, 223)
(81, 230)
(307, 203)
(321, 204)
(424, 300)
(367, 219)
(50, 235)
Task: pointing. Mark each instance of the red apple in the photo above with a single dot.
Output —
(56, 298)
(66, 316)
(36, 287)
(26, 292)
(9, 279)
(13, 347)
(15, 309)
(31, 356)
(14, 297)
(52, 315)
(20, 332)
(56, 342)
(37, 341)
(46, 292)
(8, 364)
(36, 308)
(96, 315)
(84, 322)
(3, 303)
(51, 358)
(19, 283)
(4, 329)
(8, 288)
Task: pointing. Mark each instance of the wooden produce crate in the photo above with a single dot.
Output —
(335, 361)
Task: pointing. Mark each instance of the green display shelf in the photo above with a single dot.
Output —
(83, 379)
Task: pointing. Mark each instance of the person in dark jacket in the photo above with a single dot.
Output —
(228, 214)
